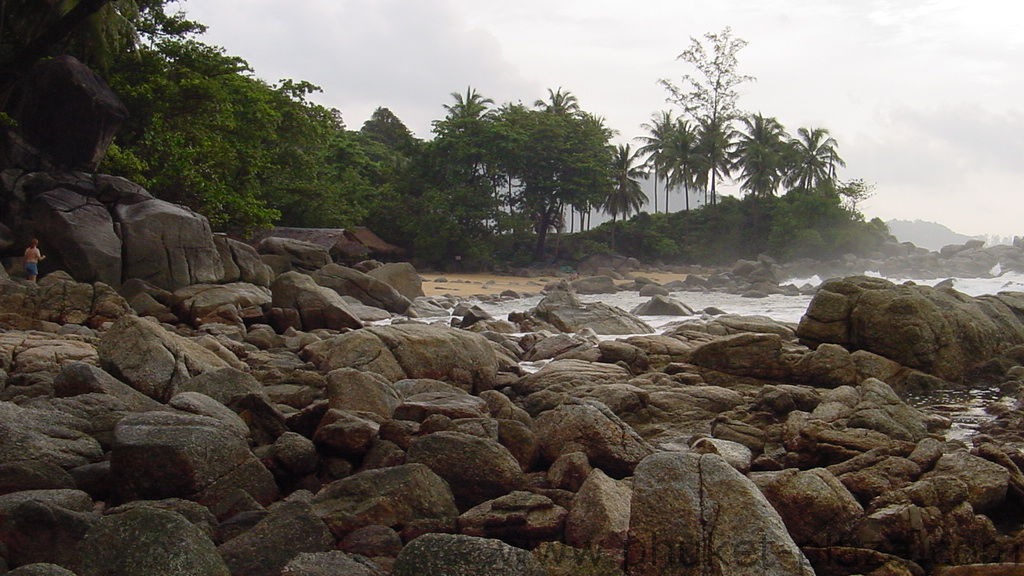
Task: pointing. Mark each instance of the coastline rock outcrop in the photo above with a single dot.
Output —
(938, 331)
(564, 311)
(403, 351)
(363, 287)
(315, 447)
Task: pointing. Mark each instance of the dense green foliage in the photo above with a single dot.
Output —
(492, 185)
(205, 133)
(797, 225)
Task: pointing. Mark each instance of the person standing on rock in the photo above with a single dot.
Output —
(32, 259)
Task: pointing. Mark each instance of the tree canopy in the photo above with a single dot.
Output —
(490, 186)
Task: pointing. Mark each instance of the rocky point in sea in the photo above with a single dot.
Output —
(230, 412)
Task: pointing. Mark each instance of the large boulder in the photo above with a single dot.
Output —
(363, 287)
(460, 555)
(939, 331)
(768, 356)
(402, 277)
(151, 359)
(62, 302)
(144, 541)
(33, 475)
(67, 112)
(477, 469)
(561, 380)
(296, 254)
(695, 514)
(314, 306)
(987, 482)
(235, 303)
(167, 245)
(450, 404)
(661, 305)
(564, 311)
(359, 391)
(40, 353)
(40, 569)
(163, 455)
(591, 428)
(397, 352)
(520, 518)
(599, 517)
(79, 234)
(291, 528)
(817, 509)
(44, 525)
(394, 496)
(78, 378)
(45, 435)
(241, 262)
(331, 564)
(595, 285)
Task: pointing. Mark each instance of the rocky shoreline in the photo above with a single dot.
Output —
(245, 429)
(174, 402)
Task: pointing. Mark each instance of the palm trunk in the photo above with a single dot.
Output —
(655, 190)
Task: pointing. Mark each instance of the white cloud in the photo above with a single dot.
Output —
(922, 95)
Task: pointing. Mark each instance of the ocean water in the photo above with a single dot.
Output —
(777, 307)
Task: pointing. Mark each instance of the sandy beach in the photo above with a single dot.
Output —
(482, 284)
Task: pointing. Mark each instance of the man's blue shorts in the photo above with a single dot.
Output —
(31, 269)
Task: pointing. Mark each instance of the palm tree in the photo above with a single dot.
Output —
(713, 145)
(683, 166)
(626, 196)
(814, 159)
(559, 102)
(759, 155)
(472, 106)
(660, 130)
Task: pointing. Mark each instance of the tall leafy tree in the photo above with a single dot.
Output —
(654, 144)
(854, 192)
(559, 159)
(95, 31)
(710, 97)
(587, 199)
(814, 157)
(759, 155)
(388, 129)
(199, 130)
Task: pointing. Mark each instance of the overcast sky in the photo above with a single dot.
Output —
(926, 98)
